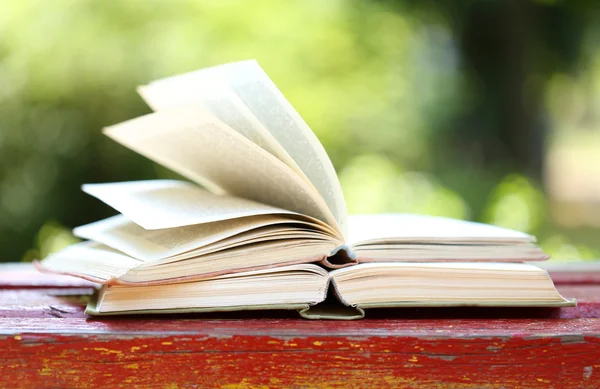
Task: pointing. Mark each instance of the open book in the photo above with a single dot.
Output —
(263, 217)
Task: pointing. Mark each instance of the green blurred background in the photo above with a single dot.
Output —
(483, 110)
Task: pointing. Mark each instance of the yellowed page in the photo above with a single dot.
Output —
(422, 228)
(446, 284)
(90, 260)
(515, 252)
(271, 233)
(156, 204)
(292, 284)
(200, 147)
(242, 258)
(124, 235)
(216, 96)
(268, 104)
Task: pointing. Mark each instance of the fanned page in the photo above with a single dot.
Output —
(92, 261)
(194, 240)
(200, 147)
(167, 218)
(217, 97)
(267, 103)
(155, 204)
(194, 234)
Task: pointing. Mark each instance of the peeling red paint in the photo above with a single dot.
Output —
(47, 342)
(151, 360)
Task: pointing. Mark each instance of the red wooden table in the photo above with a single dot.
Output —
(46, 341)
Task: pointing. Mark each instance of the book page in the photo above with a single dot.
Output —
(270, 233)
(366, 254)
(446, 284)
(156, 204)
(421, 228)
(280, 288)
(265, 254)
(90, 260)
(216, 96)
(197, 145)
(470, 268)
(179, 243)
(268, 104)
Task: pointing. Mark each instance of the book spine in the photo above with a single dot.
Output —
(341, 256)
(333, 307)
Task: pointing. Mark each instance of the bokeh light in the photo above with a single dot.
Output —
(423, 107)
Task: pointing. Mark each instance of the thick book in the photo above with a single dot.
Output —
(262, 222)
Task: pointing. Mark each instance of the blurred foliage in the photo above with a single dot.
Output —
(516, 203)
(374, 184)
(407, 98)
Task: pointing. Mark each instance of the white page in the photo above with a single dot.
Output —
(496, 267)
(268, 104)
(216, 96)
(286, 285)
(200, 147)
(90, 260)
(237, 259)
(259, 235)
(421, 228)
(156, 204)
(148, 245)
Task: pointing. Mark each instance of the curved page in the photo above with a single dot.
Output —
(281, 288)
(268, 104)
(262, 255)
(91, 261)
(198, 146)
(156, 204)
(122, 234)
(217, 97)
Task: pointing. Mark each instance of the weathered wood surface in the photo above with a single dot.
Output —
(47, 342)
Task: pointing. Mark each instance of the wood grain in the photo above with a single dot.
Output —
(47, 342)
(260, 354)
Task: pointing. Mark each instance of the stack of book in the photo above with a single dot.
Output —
(262, 222)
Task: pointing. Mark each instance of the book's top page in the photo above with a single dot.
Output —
(267, 104)
(157, 204)
(441, 267)
(191, 241)
(195, 144)
(421, 228)
(217, 97)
